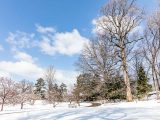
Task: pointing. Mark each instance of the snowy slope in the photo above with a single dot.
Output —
(149, 110)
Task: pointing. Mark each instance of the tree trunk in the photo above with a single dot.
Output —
(157, 81)
(22, 105)
(158, 84)
(2, 105)
(77, 100)
(78, 103)
(154, 82)
(54, 104)
(126, 77)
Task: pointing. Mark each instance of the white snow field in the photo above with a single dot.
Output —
(146, 110)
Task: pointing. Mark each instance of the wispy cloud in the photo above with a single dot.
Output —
(42, 29)
(22, 56)
(21, 39)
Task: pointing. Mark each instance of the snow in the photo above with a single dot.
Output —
(142, 110)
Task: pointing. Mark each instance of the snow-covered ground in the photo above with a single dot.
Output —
(146, 110)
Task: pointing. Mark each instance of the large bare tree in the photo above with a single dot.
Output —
(119, 21)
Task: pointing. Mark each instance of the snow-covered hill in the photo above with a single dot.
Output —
(144, 110)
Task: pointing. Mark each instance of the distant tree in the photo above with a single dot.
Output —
(70, 97)
(7, 90)
(76, 94)
(40, 88)
(52, 87)
(54, 95)
(142, 83)
(62, 91)
(24, 92)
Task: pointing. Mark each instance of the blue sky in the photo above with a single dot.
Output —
(27, 26)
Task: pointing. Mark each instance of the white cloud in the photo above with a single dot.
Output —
(46, 46)
(67, 77)
(31, 71)
(21, 69)
(42, 29)
(67, 43)
(21, 39)
(26, 68)
(97, 25)
(22, 56)
(49, 41)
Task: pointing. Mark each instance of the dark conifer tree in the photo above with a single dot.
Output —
(142, 83)
(40, 88)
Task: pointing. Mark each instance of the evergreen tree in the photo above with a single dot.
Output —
(55, 87)
(63, 88)
(40, 88)
(91, 88)
(62, 91)
(113, 88)
(142, 83)
(87, 86)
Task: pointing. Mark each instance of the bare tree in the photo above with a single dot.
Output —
(7, 90)
(98, 58)
(52, 92)
(24, 92)
(53, 97)
(137, 60)
(50, 77)
(151, 47)
(76, 95)
(119, 21)
(70, 97)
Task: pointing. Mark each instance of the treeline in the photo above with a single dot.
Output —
(21, 92)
